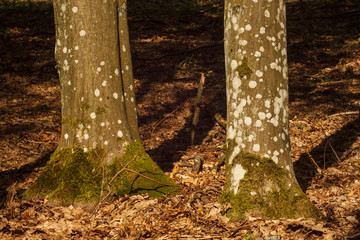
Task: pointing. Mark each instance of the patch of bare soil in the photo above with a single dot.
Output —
(172, 43)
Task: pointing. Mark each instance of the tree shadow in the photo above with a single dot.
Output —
(324, 155)
(14, 176)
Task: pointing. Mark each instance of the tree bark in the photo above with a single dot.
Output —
(99, 120)
(260, 175)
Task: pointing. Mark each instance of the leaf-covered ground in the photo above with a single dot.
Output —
(172, 43)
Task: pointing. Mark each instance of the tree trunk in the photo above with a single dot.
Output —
(99, 120)
(260, 176)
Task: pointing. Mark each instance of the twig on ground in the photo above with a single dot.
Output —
(318, 169)
(151, 179)
(163, 120)
(197, 108)
(345, 113)
(337, 157)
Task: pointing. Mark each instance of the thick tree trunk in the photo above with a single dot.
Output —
(98, 101)
(260, 175)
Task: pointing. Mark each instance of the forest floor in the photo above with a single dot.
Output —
(172, 43)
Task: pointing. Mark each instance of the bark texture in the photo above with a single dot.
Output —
(257, 112)
(99, 121)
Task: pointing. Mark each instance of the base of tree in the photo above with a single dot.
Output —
(265, 191)
(74, 176)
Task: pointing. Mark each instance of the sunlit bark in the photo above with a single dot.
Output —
(257, 112)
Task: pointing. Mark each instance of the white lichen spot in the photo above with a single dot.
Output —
(120, 134)
(259, 73)
(97, 92)
(76, 48)
(63, 7)
(262, 49)
(75, 9)
(82, 33)
(275, 139)
(93, 115)
(98, 69)
(243, 43)
(234, 19)
(262, 30)
(258, 123)
(267, 13)
(102, 63)
(273, 65)
(236, 82)
(76, 61)
(275, 122)
(104, 83)
(117, 72)
(258, 96)
(252, 84)
(231, 133)
(256, 148)
(248, 121)
(248, 27)
(233, 64)
(119, 121)
(237, 173)
(65, 50)
(106, 143)
(66, 136)
(252, 193)
(257, 54)
(116, 95)
(275, 159)
(85, 149)
(102, 124)
(69, 83)
(86, 136)
(267, 103)
(261, 115)
(123, 48)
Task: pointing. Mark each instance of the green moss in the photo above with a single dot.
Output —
(85, 106)
(264, 191)
(73, 176)
(244, 69)
(129, 182)
(70, 176)
(74, 123)
(100, 111)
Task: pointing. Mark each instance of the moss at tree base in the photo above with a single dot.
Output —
(74, 176)
(264, 191)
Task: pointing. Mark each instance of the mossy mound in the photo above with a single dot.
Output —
(265, 192)
(74, 176)
(130, 182)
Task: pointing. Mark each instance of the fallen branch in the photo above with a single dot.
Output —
(197, 108)
(345, 113)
